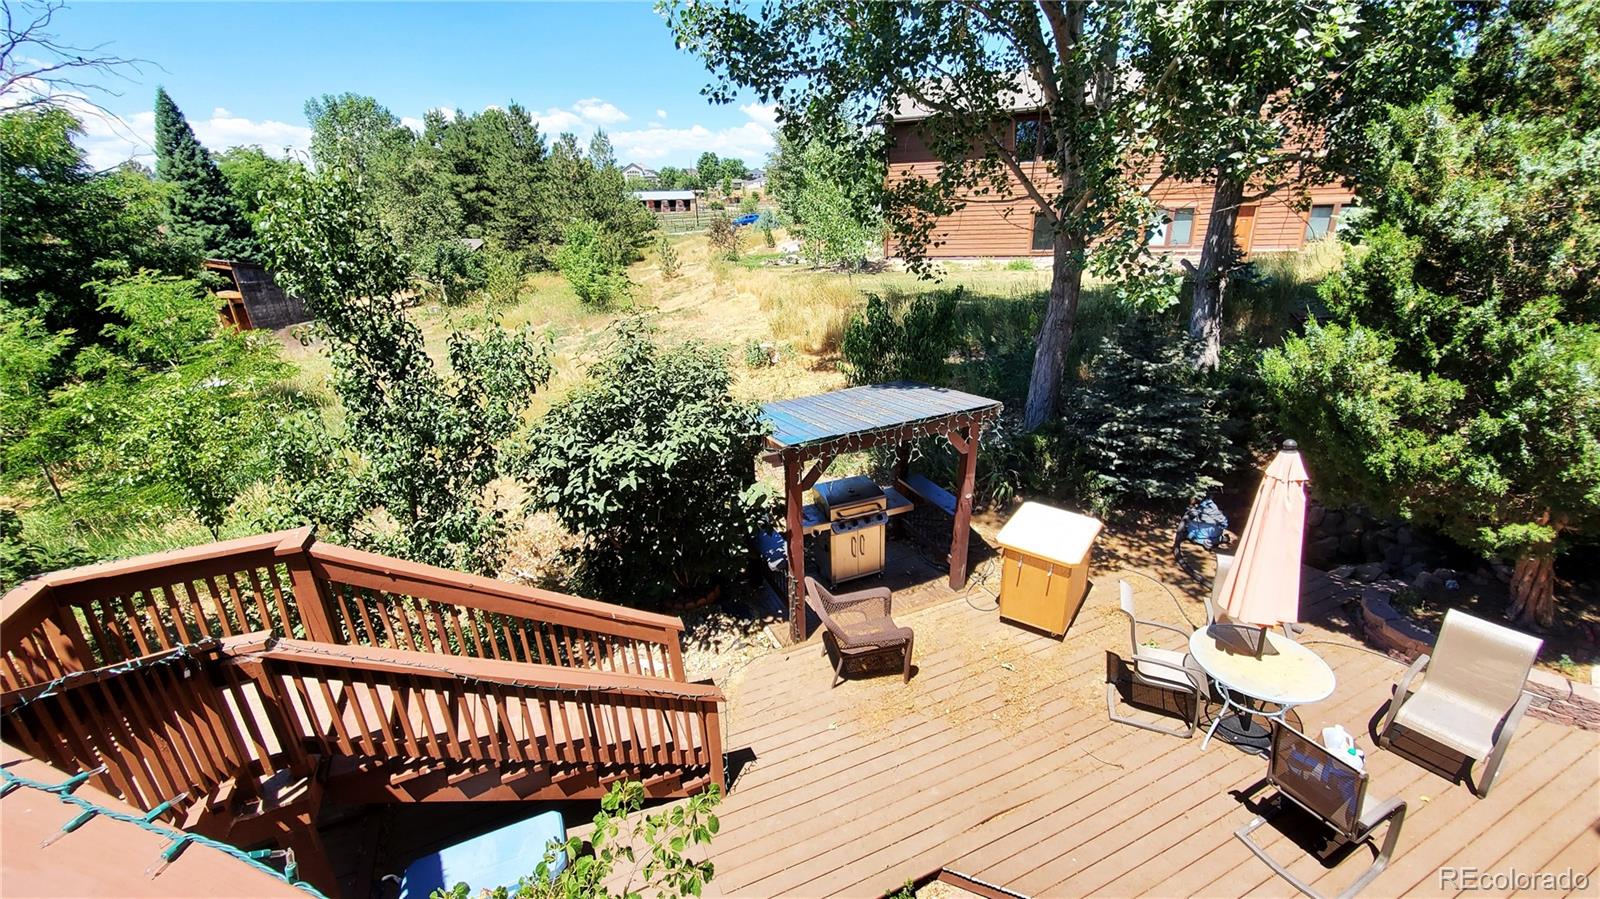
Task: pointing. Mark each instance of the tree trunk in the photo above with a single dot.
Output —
(50, 477)
(1050, 350)
(1218, 257)
(1533, 594)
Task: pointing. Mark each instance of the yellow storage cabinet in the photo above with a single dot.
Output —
(1045, 573)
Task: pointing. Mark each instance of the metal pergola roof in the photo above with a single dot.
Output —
(858, 417)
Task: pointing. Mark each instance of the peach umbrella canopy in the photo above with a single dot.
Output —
(1263, 586)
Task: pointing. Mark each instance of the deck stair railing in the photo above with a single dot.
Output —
(290, 584)
(233, 686)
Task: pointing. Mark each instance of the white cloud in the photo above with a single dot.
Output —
(750, 142)
(555, 120)
(449, 112)
(764, 114)
(661, 113)
(599, 111)
(108, 140)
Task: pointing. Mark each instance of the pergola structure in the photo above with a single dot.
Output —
(815, 429)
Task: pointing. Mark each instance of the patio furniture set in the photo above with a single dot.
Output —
(1470, 701)
(1247, 662)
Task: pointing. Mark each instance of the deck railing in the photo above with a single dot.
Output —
(399, 705)
(165, 727)
(231, 686)
(289, 584)
(175, 726)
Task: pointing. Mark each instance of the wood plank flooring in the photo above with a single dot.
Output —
(998, 761)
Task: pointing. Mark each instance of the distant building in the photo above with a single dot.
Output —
(255, 300)
(634, 170)
(1007, 223)
(666, 200)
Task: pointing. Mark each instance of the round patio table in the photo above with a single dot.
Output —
(1285, 675)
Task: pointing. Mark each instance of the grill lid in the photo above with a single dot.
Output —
(850, 496)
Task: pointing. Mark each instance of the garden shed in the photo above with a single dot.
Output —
(813, 430)
(254, 299)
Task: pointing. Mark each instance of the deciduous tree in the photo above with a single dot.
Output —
(66, 226)
(651, 460)
(969, 67)
(1269, 98)
(420, 446)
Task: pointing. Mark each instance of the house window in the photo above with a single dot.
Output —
(1156, 234)
(1320, 222)
(1181, 231)
(1047, 141)
(1171, 228)
(1043, 233)
(1027, 139)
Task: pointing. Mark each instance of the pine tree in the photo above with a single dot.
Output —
(203, 210)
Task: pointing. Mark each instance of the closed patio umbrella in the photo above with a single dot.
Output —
(1263, 586)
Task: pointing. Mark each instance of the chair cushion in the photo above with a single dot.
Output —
(1162, 672)
(1451, 720)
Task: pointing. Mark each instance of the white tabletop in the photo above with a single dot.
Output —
(1285, 674)
(1048, 533)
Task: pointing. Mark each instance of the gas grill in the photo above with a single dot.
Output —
(857, 512)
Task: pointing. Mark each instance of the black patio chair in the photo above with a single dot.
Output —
(1318, 781)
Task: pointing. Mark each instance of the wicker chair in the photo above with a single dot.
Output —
(857, 626)
(1323, 784)
(1472, 698)
(1160, 669)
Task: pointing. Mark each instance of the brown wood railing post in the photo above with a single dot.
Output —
(675, 655)
(310, 594)
(714, 745)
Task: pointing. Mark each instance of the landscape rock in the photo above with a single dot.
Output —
(1322, 550)
(1369, 571)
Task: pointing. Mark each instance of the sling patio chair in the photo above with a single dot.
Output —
(1318, 781)
(857, 626)
(1214, 598)
(1471, 698)
(1167, 670)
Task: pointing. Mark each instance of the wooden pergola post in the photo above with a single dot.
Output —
(793, 497)
(967, 445)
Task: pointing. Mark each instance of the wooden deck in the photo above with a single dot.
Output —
(998, 761)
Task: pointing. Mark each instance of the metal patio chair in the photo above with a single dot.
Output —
(858, 625)
(1318, 781)
(1161, 669)
(1213, 599)
(1471, 699)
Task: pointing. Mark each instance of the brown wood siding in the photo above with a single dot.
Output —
(991, 225)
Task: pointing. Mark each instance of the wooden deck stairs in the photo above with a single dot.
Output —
(244, 683)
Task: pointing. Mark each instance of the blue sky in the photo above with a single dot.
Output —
(242, 72)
